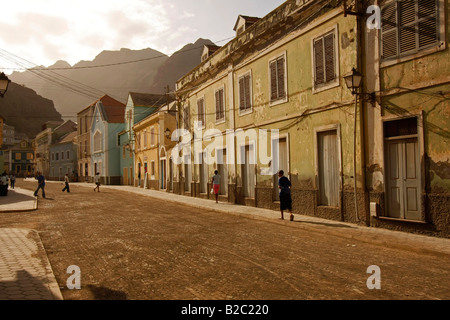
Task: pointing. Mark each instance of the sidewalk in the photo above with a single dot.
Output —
(25, 272)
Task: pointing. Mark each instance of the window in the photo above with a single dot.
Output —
(97, 142)
(325, 60)
(30, 156)
(409, 26)
(278, 79)
(186, 118)
(18, 156)
(62, 155)
(220, 105)
(201, 112)
(68, 154)
(152, 170)
(245, 93)
(53, 156)
(145, 139)
(152, 136)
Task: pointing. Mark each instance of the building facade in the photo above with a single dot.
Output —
(107, 123)
(274, 98)
(407, 128)
(153, 144)
(63, 158)
(138, 107)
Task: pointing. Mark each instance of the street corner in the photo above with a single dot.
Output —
(18, 200)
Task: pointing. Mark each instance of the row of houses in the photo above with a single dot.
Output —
(276, 98)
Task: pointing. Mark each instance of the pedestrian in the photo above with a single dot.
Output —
(4, 185)
(285, 195)
(41, 184)
(97, 181)
(216, 184)
(66, 181)
(12, 178)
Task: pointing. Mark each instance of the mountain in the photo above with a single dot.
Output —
(74, 88)
(24, 109)
(147, 71)
(180, 63)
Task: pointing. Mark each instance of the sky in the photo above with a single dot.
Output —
(45, 31)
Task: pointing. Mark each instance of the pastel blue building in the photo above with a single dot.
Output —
(107, 123)
(139, 106)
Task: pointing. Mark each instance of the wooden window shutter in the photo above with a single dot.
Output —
(280, 78)
(222, 103)
(248, 104)
(241, 94)
(273, 81)
(200, 111)
(217, 105)
(389, 31)
(330, 57)
(186, 118)
(407, 24)
(428, 22)
(318, 62)
(220, 112)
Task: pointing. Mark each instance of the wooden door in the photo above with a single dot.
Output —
(328, 158)
(403, 179)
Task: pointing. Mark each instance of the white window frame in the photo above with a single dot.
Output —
(221, 120)
(278, 100)
(334, 83)
(246, 110)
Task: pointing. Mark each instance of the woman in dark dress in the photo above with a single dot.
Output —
(285, 195)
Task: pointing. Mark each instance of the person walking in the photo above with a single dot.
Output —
(66, 181)
(12, 178)
(216, 184)
(41, 185)
(97, 181)
(285, 195)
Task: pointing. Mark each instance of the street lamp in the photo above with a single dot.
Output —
(353, 82)
(4, 83)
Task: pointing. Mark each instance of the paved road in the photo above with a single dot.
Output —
(129, 246)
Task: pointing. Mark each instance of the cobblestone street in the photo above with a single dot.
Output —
(129, 246)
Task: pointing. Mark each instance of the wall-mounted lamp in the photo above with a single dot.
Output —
(4, 83)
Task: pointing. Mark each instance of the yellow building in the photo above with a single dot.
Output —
(153, 143)
(279, 87)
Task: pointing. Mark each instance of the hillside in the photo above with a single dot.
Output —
(26, 111)
(74, 88)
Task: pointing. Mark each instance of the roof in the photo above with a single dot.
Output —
(68, 137)
(106, 100)
(148, 99)
(113, 111)
(248, 20)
